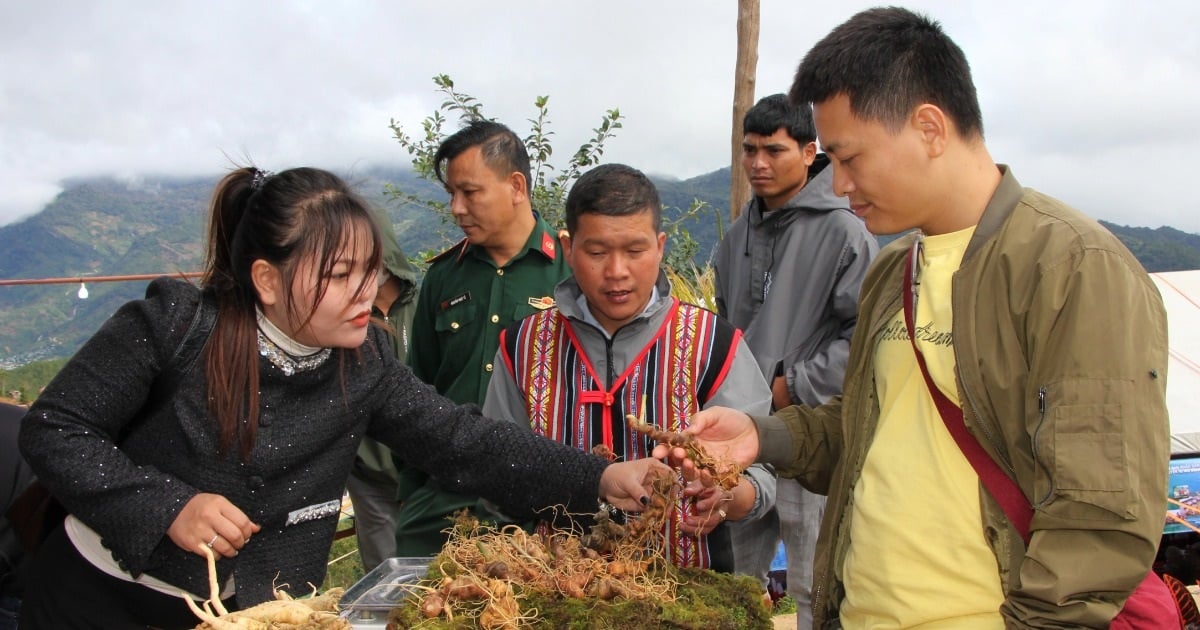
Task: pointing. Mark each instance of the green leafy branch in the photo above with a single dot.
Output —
(548, 191)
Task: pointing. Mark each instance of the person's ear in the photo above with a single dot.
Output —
(268, 282)
(520, 188)
(809, 152)
(933, 128)
(564, 241)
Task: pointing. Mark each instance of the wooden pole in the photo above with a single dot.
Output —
(745, 75)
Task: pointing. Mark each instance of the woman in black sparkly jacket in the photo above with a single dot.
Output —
(228, 416)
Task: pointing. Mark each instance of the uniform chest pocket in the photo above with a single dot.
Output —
(455, 318)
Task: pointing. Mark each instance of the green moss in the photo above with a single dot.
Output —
(705, 600)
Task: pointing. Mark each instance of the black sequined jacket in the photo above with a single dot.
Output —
(310, 426)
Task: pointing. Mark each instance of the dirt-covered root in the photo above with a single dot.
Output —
(726, 473)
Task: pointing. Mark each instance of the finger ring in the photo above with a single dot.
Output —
(721, 513)
(210, 543)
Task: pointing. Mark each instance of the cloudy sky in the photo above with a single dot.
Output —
(1092, 101)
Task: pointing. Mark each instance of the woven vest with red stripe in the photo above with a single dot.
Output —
(676, 371)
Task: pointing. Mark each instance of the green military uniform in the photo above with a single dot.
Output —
(464, 304)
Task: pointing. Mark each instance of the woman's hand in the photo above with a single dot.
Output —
(627, 485)
(210, 520)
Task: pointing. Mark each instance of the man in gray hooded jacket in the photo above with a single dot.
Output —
(788, 275)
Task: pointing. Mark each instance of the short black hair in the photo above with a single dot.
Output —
(614, 190)
(776, 111)
(502, 150)
(887, 61)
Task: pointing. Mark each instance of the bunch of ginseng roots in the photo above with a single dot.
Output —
(486, 572)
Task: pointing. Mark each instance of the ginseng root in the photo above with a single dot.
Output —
(726, 473)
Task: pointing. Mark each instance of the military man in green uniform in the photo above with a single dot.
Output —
(505, 269)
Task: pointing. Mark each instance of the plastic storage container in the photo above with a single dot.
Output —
(367, 602)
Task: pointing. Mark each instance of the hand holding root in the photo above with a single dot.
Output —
(727, 432)
(213, 521)
(282, 614)
(722, 472)
(710, 506)
(629, 485)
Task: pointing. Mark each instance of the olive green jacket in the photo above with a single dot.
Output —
(1061, 346)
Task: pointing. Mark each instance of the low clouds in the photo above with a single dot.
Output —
(1091, 101)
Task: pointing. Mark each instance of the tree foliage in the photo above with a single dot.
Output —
(550, 185)
(548, 190)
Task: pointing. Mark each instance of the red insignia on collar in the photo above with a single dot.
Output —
(548, 245)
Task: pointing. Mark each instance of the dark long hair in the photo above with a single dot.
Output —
(298, 214)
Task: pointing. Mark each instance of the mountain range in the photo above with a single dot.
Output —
(156, 225)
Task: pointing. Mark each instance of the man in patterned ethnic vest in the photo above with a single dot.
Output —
(618, 343)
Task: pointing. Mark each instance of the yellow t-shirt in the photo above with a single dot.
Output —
(917, 555)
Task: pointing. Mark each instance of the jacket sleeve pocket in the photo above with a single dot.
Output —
(1087, 456)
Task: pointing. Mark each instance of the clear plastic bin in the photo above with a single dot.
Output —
(367, 602)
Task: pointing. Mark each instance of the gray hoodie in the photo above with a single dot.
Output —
(790, 279)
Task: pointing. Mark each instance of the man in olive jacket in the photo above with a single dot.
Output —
(1032, 318)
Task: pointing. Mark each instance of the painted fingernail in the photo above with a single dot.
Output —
(645, 500)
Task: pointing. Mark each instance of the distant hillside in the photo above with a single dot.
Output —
(109, 227)
(1160, 249)
(156, 225)
(711, 188)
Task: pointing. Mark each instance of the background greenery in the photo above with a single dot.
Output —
(345, 567)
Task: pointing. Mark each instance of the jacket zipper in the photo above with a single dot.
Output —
(1041, 399)
(968, 401)
(1003, 461)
